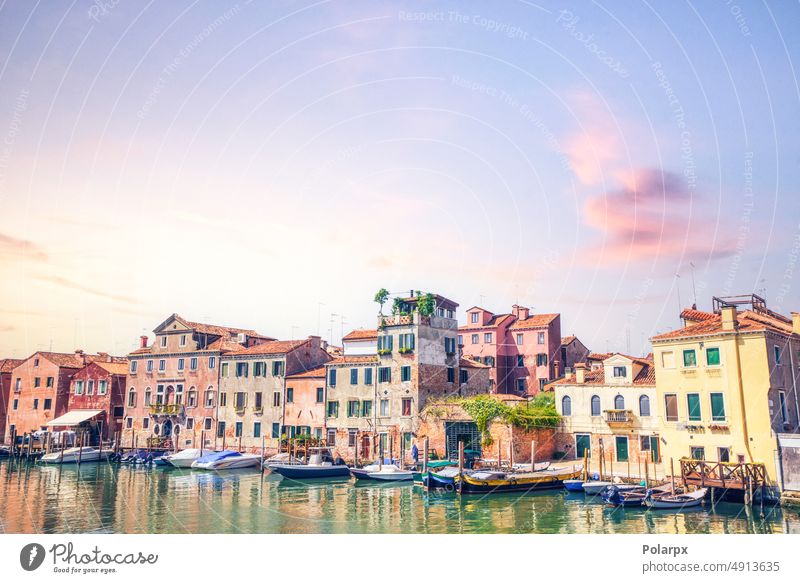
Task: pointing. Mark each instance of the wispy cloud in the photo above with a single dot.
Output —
(20, 247)
(62, 282)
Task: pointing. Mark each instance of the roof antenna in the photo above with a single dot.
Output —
(694, 290)
(678, 286)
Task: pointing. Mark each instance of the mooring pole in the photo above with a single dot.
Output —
(460, 465)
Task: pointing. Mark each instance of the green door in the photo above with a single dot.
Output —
(622, 448)
(654, 452)
(583, 444)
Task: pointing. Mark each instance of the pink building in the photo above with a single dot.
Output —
(523, 349)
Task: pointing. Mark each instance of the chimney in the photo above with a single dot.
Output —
(142, 341)
(520, 312)
(79, 353)
(729, 322)
(795, 322)
(316, 341)
(557, 368)
(104, 356)
(580, 373)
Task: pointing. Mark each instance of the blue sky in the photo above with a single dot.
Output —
(272, 165)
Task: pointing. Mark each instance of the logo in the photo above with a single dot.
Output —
(31, 556)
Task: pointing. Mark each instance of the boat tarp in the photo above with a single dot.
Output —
(75, 417)
(218, 455)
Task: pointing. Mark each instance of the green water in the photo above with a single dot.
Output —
(109, 498)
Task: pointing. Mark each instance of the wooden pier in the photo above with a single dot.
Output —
(725, 475)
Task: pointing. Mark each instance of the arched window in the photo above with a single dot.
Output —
(148, 395)
(132, 397)
(644, 406)
(595, 406)
(566, 406)
(619, 402)
(210, 397)
(191, 400)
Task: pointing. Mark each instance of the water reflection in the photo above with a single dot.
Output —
(110, 498)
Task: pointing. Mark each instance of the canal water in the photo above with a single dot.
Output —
(105, 498)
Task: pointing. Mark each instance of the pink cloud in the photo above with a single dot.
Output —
(12, 246)
(652, 216)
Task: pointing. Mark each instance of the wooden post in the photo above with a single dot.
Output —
(499, 456)
(646, 477)
(533, 455)
(240, 444)
(30, 445)
(223, 440)
(460, 465)
(202, 441)
(391, 448)
(402, 451)
(629, 466)
(586, 465)
(672, 474)
(425, 456)
(263, 445)
(80, 449)
(355, 452)
(600, 461)
(380, 454)
(511, 454)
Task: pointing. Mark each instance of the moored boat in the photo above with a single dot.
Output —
(614, 496)
(485, 482)
(595, 487)
(573, 485)
(674, 501)
(75, 455)
(382, 472)
(320, 465)
(226, 460)
(185, 458)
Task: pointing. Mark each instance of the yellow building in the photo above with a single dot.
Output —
(726, 384)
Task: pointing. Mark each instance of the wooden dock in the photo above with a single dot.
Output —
(726, 475)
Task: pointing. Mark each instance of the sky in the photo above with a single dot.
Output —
(272, 165)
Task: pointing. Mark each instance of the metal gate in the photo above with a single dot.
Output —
(789, 446)
(466, 431)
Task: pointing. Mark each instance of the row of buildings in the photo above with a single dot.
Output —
(723, 387)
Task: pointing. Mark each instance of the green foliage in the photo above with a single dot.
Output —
(426, 305)
(539, 412)
(398, 307)
(380, 297)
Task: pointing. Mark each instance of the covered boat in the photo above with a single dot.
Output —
(185, 458)
(226, 460)
(320, 465)
(674, 501)
(383, 473)
(74, 455)
(486, 482)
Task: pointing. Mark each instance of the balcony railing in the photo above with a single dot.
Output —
(163, 409)
(619, 417)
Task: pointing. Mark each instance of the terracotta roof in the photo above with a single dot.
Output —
(361, 334)
(567, 340)
(314, 373)
(215, 330)
(694, 315)
(269, 348)
(469, 363)
(493, 322)
(534, 321)
(646, 376)
(371, 359)
(9, 364)
(598, 355)
(748, 321)
(114, 367)
(72, 359)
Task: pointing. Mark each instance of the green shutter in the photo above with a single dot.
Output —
(717, 407)
(693, 403)
(689, 358)
(712, 356)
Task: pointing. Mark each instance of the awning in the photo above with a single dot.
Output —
(75, 417)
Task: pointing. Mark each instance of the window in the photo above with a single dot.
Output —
(384, 407)
(35, 404)
(671, 407)
(181, 363)
(333, 409)
(162, 365)
(519, 339)
(78, 387)
(522, 385)
(134, 366)
(777, 354)
(451, 374)
(405, 373)
(724, 454)
(384, 374)
(118, 411)
(353, 376)
(540, 338)
(209, 397)
(489, 360)
(220, 429)
(620, 371)
(276, 399)
(668, 359)
(463, 376)
(320, 394)
(385, 343)
(351, 437)
(242, 369)
(190, 423)
(160, 394)
(163, 341)
(693, 406)
(276, 430)
(239, 400)
(353, 408)
(595, 404)
(90, 388)
(366, 408)
(332, 377)
(406, 407)
(566, 406)
(146, 424)
(193, 363)
(644, 406)
(238, 429)
(207, 424)
(689, 358)
(15, 404)
(474, 317)
(224, 370)
(259, 369)
(474, 338)
(449, 345)
(147, 394)
(36, 362)
(278, 367)
(487, 337)
(698, 453)
(541, 359)
(37, 382)
(520, 361)
(223, 399)
(782, 400)
(102, 387)
(331, 441)
(644, 442)
(406, 342)
(18, 386)
(712, 356)
(149, 366)
(717, 407)
(129, 422)
(289, 394)
(183, 339)
(619, 402)
(367, 376)
(179, 394)
(212, 362)
(191, 400)
(49, 382)
(132, 397)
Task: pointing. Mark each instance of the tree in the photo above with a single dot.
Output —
(426, 305)
(381, 298)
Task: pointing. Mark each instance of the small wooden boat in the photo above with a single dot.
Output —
(573, 485)
(383, 473)
(490, 482)
(595, 487)
(444, 479)
(674, 501)
(320, 465)
(614, 496)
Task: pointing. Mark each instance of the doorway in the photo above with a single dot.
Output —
(583, 445)
(621, 442)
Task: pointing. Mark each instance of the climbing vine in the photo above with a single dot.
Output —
(484, 409)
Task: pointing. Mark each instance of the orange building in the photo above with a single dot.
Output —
(305, 403)
(7, 366)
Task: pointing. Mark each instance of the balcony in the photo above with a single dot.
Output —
(395, 320)
(619, 417)
(164, 409)
(258, 410)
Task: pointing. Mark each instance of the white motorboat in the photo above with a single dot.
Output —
(281, 458)
(385, 473)
(75, 454)
(185, 458)
(677, 501)
(321, 464)
(596, 487)
(226, 460)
